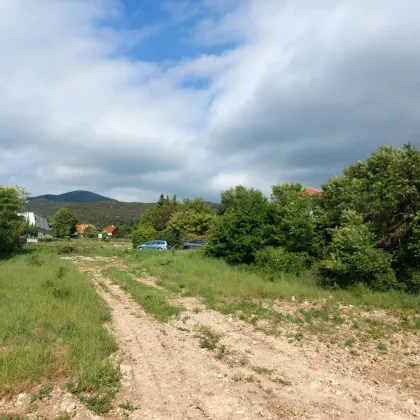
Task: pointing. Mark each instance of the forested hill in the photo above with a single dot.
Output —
(74, 197)
(88, 207)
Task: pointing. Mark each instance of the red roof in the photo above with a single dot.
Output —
(311, 191)
(111, 230)
(81, 228)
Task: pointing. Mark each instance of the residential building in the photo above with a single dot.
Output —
(111, 230)
(311, 191)
(44, 228)
(82, 227)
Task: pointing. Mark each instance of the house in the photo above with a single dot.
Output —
(111, 230)
(82, 227)
(312, 191)
(44, 228)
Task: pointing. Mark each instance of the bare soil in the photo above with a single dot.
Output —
(166, 374)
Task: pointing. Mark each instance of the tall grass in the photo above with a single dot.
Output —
(190, 272)
(51, 323)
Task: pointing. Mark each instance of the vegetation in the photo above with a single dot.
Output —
(174, 222)
(52, 327)
(101, 214)
(152, 300)
(64, 223)
(12, 200)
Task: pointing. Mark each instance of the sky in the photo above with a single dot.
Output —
(133, 98)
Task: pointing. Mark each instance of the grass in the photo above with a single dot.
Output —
(152, 300)
(51, 324)
(208, 338)
(191, 273)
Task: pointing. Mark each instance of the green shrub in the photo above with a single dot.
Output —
(142, 234)
(353, 258)
(243, 227)
(274, 261)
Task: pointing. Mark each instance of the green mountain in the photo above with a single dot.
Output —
(88, 207)
(74, 197)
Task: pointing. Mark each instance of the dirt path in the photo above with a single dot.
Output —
(166, 374)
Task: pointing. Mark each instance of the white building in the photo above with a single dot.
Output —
(44, 229)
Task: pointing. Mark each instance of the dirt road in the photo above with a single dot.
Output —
(168, 376)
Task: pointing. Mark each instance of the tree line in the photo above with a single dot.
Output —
(362, 229)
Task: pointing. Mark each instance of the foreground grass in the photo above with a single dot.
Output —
(52, 329)
(152, 300)
(191, 273)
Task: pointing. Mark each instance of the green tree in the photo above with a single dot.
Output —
(385, 190)
(33, 230)
(142, 234)
(243, 227)
(90, 232)
(64, 223)
(12, 202)
(294, 226)
(354, 258)
(190, 221)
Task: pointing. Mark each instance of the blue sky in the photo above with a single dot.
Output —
(190, 97)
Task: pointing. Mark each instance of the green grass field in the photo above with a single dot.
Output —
(52, 327)
(191, 273)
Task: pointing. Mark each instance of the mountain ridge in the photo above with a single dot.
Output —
(78, 196)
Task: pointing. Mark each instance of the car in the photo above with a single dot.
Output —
(194, 244)
(159, 245)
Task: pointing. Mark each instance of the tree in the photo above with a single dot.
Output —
(243, 227)
(354, 258)
(142, 234)
(33, 230)
(190, 221)
(385, 190)
(64, 223)
(90, 232)
(12, 202)
(294, 226)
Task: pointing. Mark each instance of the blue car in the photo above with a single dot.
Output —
(159, 245)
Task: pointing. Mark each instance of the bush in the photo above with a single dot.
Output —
(171, 235)
(142, 234)
(274, 261)
(352, 257)
(243, 227)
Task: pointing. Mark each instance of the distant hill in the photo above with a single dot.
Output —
(74, 197)
(88, 207)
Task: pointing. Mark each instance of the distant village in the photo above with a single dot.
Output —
(45, 229)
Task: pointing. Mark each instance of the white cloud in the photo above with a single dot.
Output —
(290, 91)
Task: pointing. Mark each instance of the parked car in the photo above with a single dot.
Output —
(159, 245)
(194, 244)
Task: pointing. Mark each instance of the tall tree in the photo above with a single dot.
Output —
(12, 201)
(64, 223)
(243, 228)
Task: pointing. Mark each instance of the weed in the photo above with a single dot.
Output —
(350, 342)
(128, 406)
(97, 387)
(43, 393)
(222, 351)
(208, 338)
(381, 348)
(183, 329)
(413, 365)
(262, 370)
(250, 378)
(281, 381)
(61, 272)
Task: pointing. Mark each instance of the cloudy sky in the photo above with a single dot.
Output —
(130, 98)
